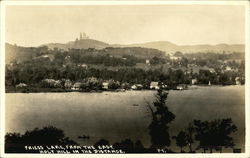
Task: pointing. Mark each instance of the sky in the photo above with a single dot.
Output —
(120, 24)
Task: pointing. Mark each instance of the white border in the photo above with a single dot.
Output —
(2, 76)
(121, 2)
(247, 72)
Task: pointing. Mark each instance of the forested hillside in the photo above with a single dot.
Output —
(133, 65)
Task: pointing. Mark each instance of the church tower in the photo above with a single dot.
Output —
(83, 36)
(80, 36)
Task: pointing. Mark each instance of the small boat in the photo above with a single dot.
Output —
(83, 137)
(209, 83)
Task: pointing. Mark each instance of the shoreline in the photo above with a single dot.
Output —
(60, 90)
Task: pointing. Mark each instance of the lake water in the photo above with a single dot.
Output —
(114, 116)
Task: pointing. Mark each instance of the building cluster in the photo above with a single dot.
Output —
(93, 82)
(104, 85)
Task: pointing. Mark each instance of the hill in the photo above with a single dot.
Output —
(213, 48)
(165, 46)
(20, 54)
(143, 50)
(79, 44)
(169, 47)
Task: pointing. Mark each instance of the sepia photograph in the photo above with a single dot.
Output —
(126, 78)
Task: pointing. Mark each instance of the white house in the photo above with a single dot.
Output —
(76, 86)
(237, 81)
(154, 85)
(137, 87)
(20, 85)
(228, 68)
(194, 81)
(105, 85)
(181, 87)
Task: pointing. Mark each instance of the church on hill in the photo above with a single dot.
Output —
(82, 36)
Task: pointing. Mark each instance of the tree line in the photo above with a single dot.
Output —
(34, 73)
(120, 64)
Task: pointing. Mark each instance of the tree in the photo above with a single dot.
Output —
(91, 83)
(15, 142)
(178, 54)
(190, 132)
(113, 84)
(138, 147)
(161, 117)
(126, 145)
(204, 76)
(214, 134)
(101, 142)
(179, 76)
(181, 140)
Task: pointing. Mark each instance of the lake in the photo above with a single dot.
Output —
(120, 115)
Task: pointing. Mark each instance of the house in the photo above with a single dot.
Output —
(125, 85)
(154, 85)
(82, 65)
(67, 84)
(67, 57)
(48, 80)
(175, 58)
(137, 87)
(228, 68)
(105, 85)
(194, 81)
(164, 86)
(49, 56)
(209, 69)
(134, 87)
(57, 84)
(181, 87)
(20, 85)
(76, 86)
(50, 83)
(237, 81)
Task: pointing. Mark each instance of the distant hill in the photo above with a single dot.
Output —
(143, 53)
(160, 45)
(79, 44)
(20, 54)
(17, 53)
(165, 46)
(213, 48)
(169, 47)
